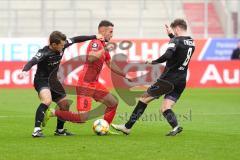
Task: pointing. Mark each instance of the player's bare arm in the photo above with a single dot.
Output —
(114, 67)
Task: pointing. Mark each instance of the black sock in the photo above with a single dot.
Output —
(60, 124)
(171, 118)
(136, 114)
(40, 114)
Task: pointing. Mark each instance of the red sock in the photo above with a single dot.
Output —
(68, 116)
(110, 113)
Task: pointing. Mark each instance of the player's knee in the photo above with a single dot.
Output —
(64, 106)
(111, 102)
(146, 98)
(162, 109)
(143, 99)
(167, 104)
(165, 107)
(47, 101)
(115, 102)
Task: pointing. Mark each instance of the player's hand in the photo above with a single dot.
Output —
(100, 37)
(23, 74)
(129, 80)
(168, 30)
(148, 62)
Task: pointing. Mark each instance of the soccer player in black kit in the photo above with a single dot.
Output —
(48, 60)
(172, 81)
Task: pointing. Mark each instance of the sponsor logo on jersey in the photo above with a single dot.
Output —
(94, 46)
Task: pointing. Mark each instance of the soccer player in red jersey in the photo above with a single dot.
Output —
(88, 85)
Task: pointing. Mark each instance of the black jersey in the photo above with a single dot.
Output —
(48, 60)
(177, 57)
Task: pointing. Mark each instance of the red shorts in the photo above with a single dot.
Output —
(86, 91)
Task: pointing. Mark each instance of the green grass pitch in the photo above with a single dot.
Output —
(210, 118)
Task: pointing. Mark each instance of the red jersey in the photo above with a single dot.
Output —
(91, 70)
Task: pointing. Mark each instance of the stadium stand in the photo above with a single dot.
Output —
(134, 18)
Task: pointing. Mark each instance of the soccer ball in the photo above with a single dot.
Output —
(100, 127)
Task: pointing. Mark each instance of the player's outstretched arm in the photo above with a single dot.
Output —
(29, 65)
(166, 56)
(35, 60)
(114, 67)
(80, 39)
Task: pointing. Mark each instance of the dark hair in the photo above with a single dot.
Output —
(56, 37)
(180, 23)
(105, 23)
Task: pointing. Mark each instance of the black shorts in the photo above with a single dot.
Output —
(173, 94)
(177, 91)
(56, 88)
